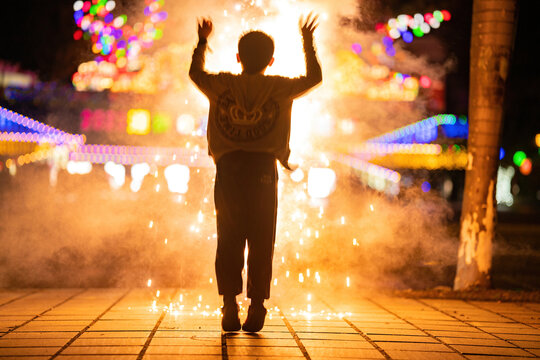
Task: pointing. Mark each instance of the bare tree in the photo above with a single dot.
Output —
(493, 25)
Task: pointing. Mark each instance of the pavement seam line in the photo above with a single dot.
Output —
(474, 326)
(42, 313)
(66, 345)
(20, 297)
(295, 336)
(154, 330)
(501, 315)
(528, 307)
(224, 352)
(367, 338)
(419, 328)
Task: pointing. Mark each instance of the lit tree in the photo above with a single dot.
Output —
(493, 26)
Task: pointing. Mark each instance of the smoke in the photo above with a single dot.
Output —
(82, 233)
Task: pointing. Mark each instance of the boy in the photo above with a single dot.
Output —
(248, 129)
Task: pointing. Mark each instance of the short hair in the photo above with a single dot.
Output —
(255, 50)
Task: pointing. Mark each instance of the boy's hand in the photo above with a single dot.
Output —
(204, 28)
(308, 26)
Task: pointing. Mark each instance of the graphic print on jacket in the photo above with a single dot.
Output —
(238, 124)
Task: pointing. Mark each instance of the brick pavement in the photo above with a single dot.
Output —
(87, 324)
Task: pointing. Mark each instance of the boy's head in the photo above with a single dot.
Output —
(255, 51)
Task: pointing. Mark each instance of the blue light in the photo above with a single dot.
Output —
(426, 186)
(387, 41)
(501, 154)
(407, 36)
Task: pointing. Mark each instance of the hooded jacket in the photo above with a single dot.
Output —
(251, 112)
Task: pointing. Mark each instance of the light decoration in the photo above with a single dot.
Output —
(519, 157)
(370, 76)
(79, 167)
(138, 172)
(526, 167)
(185, 124)
(129, 155)
(118, 46)
(11, 148)
(112, 38)
(537, 140)
(35, 130)
(321, 182)
(503, 191)
(117, 174)
(138, 122)
(405, 26)
(376, 177)
(423, 131)
(177, 178)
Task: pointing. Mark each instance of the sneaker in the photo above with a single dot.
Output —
(255, 319)
(230, 320)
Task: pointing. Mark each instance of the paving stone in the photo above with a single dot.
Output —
(97, 357)
(496, 357)
(413, 346)
(40, 335)
(282, 351)
(403, 338)
(527, 344)
(338, 343)
(344, 352)
(190, 341)
(106, 350)
(112, 334)
(423, 355)
(183, 350)
(35, 350)
(472, 341)
(260, 342)
(21, 342)
(384, 331)
(490, 350)
(116, 341)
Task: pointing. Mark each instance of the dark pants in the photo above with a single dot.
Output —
(245, 196)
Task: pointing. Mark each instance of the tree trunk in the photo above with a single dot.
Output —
(493, 25)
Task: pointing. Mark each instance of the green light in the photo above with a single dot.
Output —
(462, 119)
(418, 32)
(438, 15)
(161, 123)
(93, 9)
(519, 157)
(158, 34)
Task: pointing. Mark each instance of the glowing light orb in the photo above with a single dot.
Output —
(177, 178)
(526, 167)
(138, 122)
(79, 167)
(185, 124)
(519, 157)
(426, 186)
(321, 182)
(117, 174)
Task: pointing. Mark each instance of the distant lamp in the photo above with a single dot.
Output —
(177, 178)
(138, 122)
(185, 124)
(321, 182)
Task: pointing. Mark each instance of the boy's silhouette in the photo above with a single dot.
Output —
(248, 129)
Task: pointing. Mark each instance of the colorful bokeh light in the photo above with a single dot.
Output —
(519, 157)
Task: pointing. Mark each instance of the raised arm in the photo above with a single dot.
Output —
(313, 68)
(299, 86)
(196, 71)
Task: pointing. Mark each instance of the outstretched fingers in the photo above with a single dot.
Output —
(310, 23)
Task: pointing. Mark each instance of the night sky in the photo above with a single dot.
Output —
(37, 35)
